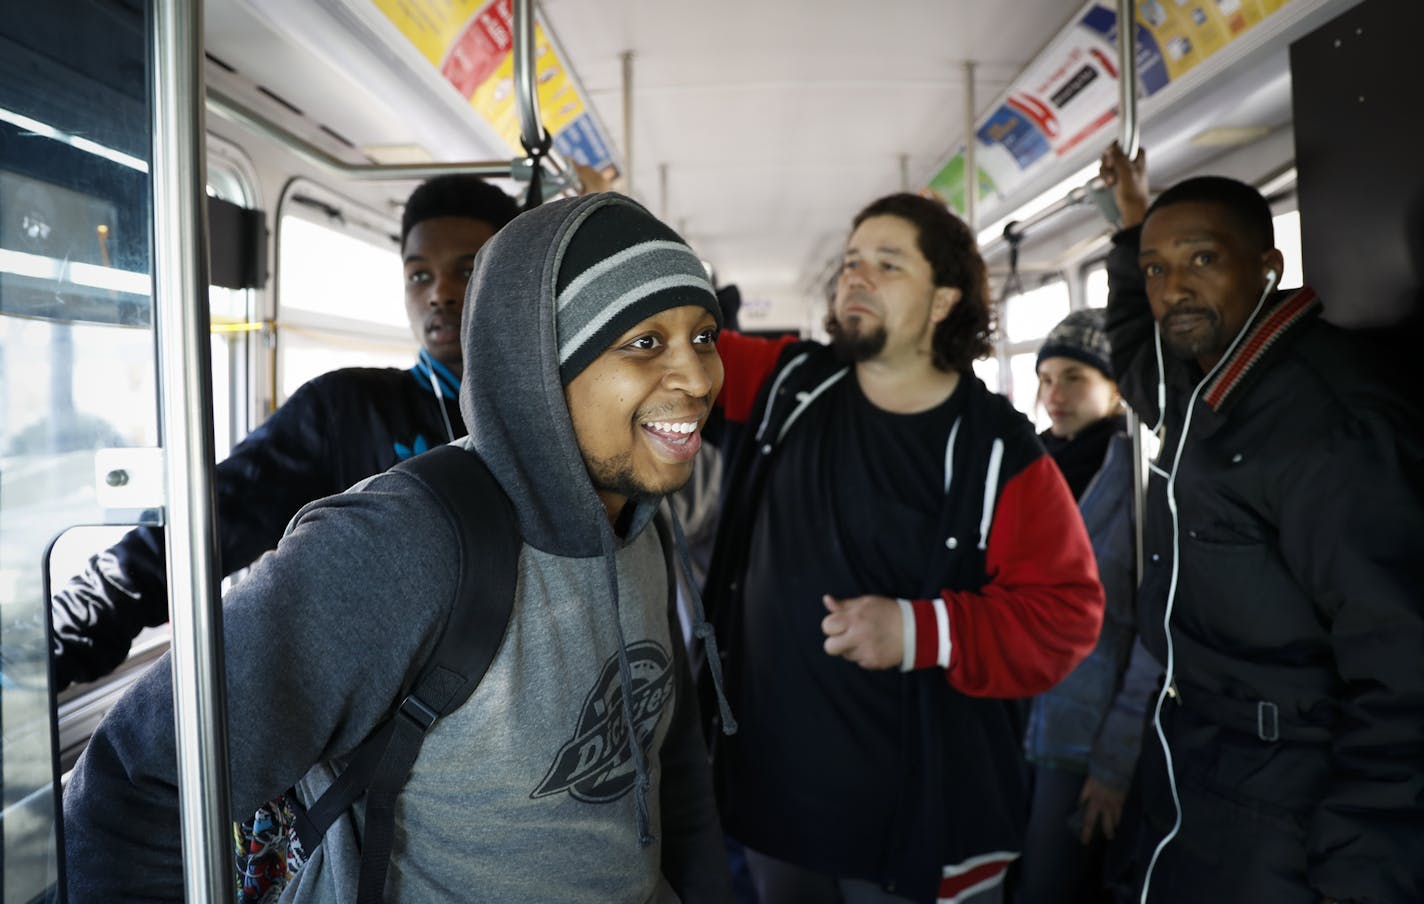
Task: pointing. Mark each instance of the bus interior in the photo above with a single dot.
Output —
(755, 129)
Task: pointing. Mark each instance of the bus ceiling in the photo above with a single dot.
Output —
(760, 130)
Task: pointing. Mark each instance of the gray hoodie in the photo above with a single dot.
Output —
(528, 791)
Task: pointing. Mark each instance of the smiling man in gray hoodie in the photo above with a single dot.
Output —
(590, 368)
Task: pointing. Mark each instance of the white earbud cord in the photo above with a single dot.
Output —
(440, 402)
(1171, 664)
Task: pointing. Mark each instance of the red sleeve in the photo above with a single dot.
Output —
(1040, 613)
(747, 362)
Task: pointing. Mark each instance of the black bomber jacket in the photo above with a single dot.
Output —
(334, 431)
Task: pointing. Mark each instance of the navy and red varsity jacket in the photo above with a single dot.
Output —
(1010, 608)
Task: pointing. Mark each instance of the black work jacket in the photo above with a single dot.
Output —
(1297, 612)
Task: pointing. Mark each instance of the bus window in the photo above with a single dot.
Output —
(1024, 322)
(223, 408)
(1029, 317)
(340, 302)
(1095, 287)
(1023, 374)
(1287, 228)
(232, 312)
(987, 369)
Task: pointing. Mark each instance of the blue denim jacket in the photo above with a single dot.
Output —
(1091, 722)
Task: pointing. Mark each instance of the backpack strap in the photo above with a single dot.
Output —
(473, 633)
(663, 529)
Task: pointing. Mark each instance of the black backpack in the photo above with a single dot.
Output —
(489, 556)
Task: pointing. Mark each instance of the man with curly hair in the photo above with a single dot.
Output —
(899, 564)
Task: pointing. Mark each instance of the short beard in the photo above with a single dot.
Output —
(615, 475)
(854, 346)
(1191, 348)
(1184, 351)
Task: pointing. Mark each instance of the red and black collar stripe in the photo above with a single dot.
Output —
(1258, 341)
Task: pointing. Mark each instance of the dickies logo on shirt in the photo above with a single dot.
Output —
(596, 764)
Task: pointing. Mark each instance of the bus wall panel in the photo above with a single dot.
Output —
(1356, 95)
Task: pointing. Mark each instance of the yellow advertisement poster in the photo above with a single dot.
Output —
(1189, 31)
(471, 43)
(559, 103)
(431, 25)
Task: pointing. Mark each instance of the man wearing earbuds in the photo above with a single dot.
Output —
(1282, 587)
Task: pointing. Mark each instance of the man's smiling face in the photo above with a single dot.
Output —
(639, 407)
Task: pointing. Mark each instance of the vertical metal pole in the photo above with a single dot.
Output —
(663, 192)
(1127, 78)
(904, 172)
(185, 391)
(971, 167)
(1127, 137)
(526, 93)
(628, 122)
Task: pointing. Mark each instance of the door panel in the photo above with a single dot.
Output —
(77, 364)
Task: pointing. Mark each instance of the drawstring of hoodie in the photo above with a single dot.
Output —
(641, 782)
(701, 629)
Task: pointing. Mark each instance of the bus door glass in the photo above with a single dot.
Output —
(77, 363)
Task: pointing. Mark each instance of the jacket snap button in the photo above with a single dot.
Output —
(766, 450)
(1156, 557)
(1236, 459)
(951, 543)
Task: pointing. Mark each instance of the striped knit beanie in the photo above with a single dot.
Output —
(621, 266)
(1082, 336)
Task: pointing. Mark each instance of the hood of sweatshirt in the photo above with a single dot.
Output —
(512, 398)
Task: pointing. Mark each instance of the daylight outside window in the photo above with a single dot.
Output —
(340, 303)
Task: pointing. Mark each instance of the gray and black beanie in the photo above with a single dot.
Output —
(621, 266)
(1082, 336)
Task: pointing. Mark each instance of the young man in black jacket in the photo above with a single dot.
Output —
(334, 431)
(1283, 574)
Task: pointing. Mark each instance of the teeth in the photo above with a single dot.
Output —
(672, 427)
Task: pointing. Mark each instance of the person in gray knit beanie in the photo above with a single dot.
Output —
(622, 266)
(1082, 336)
(1077, 397)
(1084, 734)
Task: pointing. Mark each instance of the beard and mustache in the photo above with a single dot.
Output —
(1205, 339)
(851, 342)
(852, 346)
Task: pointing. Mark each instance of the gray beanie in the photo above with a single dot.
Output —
(1082, 336)
(621, 266)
